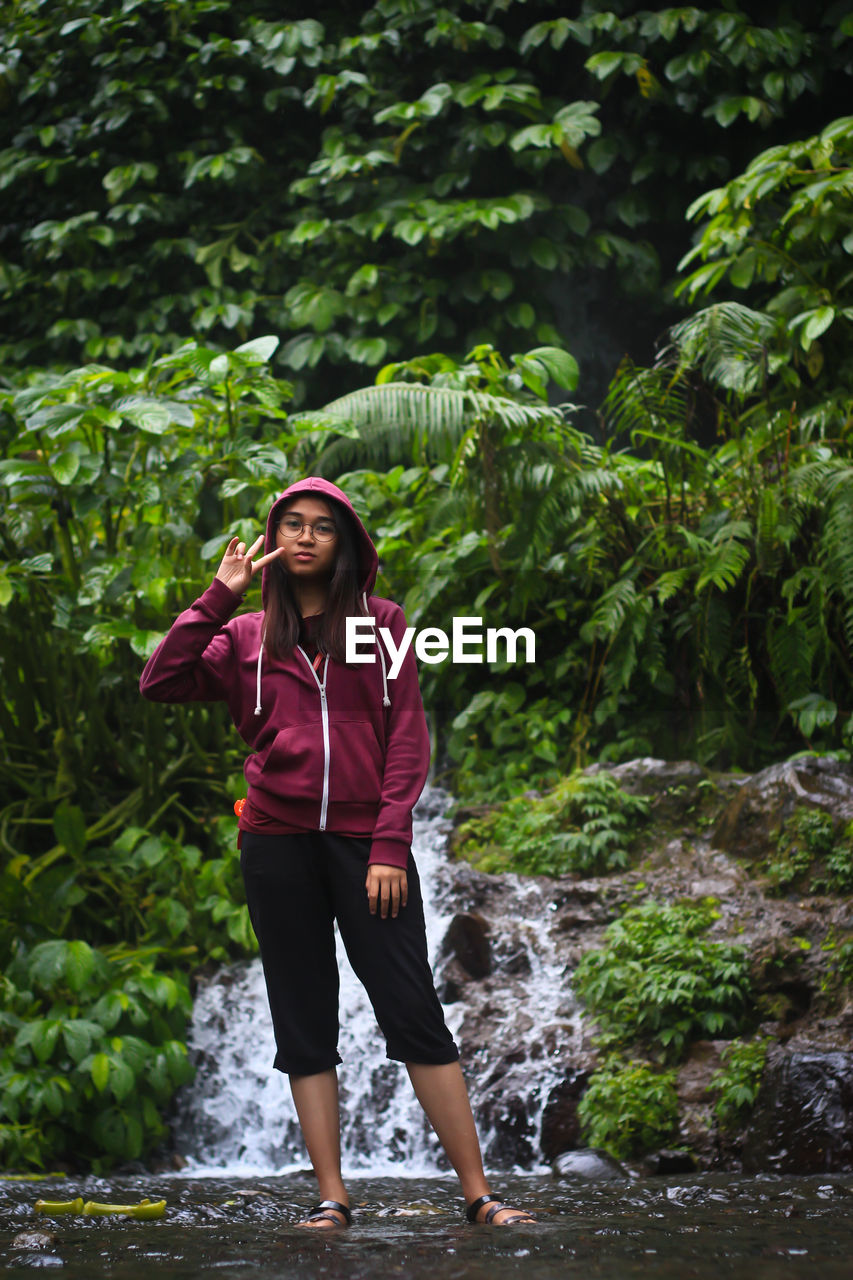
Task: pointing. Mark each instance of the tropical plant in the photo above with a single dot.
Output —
(658, 980)
(586, 824)
(120, 487)
(628, 1107)
(814, 853)
(738, 1081)
(376, 180)
(91, 1052)
(783, 229)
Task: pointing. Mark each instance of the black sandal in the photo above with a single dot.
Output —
(317, 1214)
(476, 1205)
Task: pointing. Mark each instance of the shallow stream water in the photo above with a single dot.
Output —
(707, 1227)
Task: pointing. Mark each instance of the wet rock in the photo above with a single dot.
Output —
(803, 1118)
(449, 991)
(751, 822)
(577, 916)
(515, 961)
(648, 775)
(35, 1241)
(588, 1165)
(695, 1104)
(467, 939)
(672, 785)
(664, 1162)
(505, 1114)
(785, 992)
(560, 1123)
(35, 1249)
(703, 1059)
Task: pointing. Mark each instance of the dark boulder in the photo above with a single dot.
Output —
(560, 1123)
(467, 939)
(803, 1118)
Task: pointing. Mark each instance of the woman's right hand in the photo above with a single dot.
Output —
(238, 565)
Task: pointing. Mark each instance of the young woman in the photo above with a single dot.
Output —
(339, 757)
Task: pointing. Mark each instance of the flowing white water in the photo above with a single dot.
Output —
(238, 1116)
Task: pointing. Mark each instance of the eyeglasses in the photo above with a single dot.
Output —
(323, 530)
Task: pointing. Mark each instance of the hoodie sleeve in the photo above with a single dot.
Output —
(192, 661)
(406, 758)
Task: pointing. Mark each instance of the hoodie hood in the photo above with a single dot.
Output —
(317, 487)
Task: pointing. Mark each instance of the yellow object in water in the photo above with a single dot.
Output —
(59, 1206)
(145, 1210)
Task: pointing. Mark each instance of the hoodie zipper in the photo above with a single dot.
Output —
(324, 711)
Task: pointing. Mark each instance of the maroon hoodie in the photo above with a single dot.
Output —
(327, 753)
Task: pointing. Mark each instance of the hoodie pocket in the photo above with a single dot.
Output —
(294, 764)
(356, 765)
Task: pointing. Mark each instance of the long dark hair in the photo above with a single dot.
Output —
(282, 619)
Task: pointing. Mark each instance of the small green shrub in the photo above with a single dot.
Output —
(629, 1107)
(659, 981)
(812, 854)
(838, 974)
(185, 895)
(150, 890)
(738, 1081)
(91, 1052)
(585, 824)
(843, 964)
(839, 866)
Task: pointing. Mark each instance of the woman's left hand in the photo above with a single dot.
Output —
(387, 888)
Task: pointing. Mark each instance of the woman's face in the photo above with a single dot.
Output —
(305, 555)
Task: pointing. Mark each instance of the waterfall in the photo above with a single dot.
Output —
(520, 1023)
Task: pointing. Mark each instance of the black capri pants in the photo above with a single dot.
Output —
(296, 887)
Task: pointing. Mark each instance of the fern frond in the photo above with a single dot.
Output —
(715, 638)
(731, 345)
(399, 422)
(791, 653)
(432, 409)
(614, 608)
(727, 558)
(669, 584)
(641, 400)
(836, 553)
(770, 552)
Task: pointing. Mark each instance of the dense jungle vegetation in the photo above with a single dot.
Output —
(238, 247)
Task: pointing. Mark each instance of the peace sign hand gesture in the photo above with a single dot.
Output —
(238, 566)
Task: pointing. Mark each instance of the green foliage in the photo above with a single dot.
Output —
(585, 825)
(657, 983)
(841, 962)
(784, 230)
(687, 574)
(657, 980)
(628, 1107)
(119, 488)
(91, 1052)
(814, 853)
(375, 179)
(738, 1081)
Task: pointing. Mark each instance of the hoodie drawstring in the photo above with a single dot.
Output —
(258, 681)
(386, 701)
